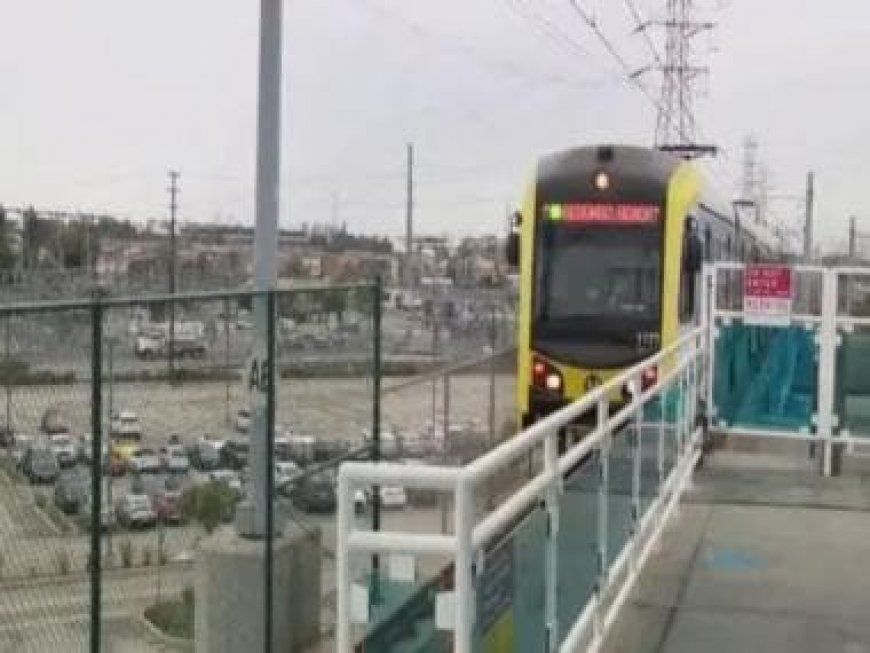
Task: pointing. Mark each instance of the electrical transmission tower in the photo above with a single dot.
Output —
(676, 125)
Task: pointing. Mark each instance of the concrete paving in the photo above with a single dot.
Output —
(765, 556)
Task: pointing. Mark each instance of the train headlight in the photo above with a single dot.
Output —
(601, 181)
(553, 382)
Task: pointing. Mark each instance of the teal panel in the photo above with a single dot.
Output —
(530, 565)
(577, 543)
(402, 618)
(649, 469)
(852, 383)
(765, 377)
(619, 491)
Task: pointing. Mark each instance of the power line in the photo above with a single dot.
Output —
(504, 66)
(630, 74)
(551, 31)
(642, 27)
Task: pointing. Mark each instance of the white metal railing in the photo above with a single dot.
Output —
(681, 376)
(826, 426)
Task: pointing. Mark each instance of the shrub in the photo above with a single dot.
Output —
(208, 504)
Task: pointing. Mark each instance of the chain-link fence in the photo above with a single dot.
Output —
(140, 551)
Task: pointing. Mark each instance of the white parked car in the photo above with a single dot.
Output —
(144, 461)
(136, 510)
(126, 426)
(285, 471)
(393, 497)
(228, 477)
(20, 445)
(64, 449)
(243, 420)
(174, 459)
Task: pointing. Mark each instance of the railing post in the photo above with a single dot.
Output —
(445, 446)
(603, 481)
(827, 365)
(464, 567)
(636, 462)
(551, 582)
(376, 425)
(710, 345)
(344, 524)
(96, 556)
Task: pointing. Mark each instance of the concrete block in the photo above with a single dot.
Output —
(230, 593)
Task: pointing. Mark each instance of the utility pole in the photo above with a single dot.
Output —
(409, 221)
(173, 209)
(808, 218)
(853, 238)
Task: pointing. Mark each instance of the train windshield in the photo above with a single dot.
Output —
(597, 286)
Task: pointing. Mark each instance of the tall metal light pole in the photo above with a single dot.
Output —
(808, 218)
(173, 208)
(255, 515)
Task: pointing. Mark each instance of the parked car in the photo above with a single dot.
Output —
(230, 478)
(314, 493)
(71, 492)
(243, 420)
(204, 455)
(234, 454)
(167, 505)
(187, 348)
(53, 422)
(144, 461)
(393, 496)
(148, 346)
(301, 448)
(174, 459)
(390, 443)
(360, 502)
(39, 464)
(20, 445)
(64, 449)
(126, 426)
(285, 472)
(135, 510)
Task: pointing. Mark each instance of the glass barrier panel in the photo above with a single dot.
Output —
(764, 377)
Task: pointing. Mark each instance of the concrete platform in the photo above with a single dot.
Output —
(765, 556)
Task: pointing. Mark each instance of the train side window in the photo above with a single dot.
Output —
(708, 243)
(692, 259)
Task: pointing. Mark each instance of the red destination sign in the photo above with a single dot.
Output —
(624, 214)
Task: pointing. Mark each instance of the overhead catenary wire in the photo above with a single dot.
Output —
(641, 26)
(504, 66)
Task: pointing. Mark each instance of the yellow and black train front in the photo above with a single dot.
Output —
(602, 244)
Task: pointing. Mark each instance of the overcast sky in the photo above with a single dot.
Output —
(101, 97)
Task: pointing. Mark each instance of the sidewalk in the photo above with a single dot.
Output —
(765, 556)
